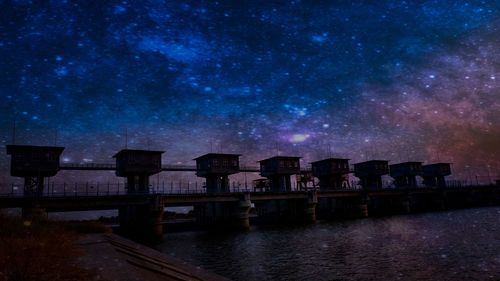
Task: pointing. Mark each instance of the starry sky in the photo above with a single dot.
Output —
(394, 80)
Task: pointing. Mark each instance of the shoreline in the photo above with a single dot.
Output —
(41, 249)
(129, 260)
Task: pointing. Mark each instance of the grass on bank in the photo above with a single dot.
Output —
(42, 249)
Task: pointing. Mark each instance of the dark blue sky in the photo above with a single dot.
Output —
(370, 79)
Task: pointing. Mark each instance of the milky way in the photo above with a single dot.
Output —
(393, 80)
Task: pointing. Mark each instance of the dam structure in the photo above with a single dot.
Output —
(141, 208)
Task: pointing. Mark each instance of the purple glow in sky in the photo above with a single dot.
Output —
(418, 79)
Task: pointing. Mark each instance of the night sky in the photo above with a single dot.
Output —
(394, 80)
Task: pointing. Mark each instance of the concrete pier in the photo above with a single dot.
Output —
(361, 207)
(395, 204)
(404, 204)
(440, 200)
(244, 206)
(227, 215)
(310, 207)
(142, 221)
(155, 218)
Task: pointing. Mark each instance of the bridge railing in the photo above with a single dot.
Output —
(108, 189)
(166, 167)
(119, 188)
(88, 165)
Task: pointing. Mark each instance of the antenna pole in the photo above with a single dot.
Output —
(126, 138)
(375, 151)
(14, 131)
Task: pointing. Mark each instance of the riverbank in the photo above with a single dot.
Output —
(42, 249)
(117, 258)
(50, 250)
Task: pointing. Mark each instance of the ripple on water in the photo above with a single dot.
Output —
(438, 246)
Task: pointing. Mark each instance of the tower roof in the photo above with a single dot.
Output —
(126, 151)
(330, 159)
(11, 148)
(406, 163)
(372, 161)
(216, 154)
(280, 157)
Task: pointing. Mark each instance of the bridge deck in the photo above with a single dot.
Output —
(71, 202)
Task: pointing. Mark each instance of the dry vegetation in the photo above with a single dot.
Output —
(42, 250)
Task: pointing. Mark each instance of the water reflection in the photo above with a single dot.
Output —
(455, 245)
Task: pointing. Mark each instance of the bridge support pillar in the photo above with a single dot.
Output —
(360, 207)
(155, 218)
(225, 215)
(310, 207)
(401, 205)
(440, 200)
(405, 204)
(142, 221)
(244, 205)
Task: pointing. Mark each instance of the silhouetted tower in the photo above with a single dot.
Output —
(34, 163)
(333, 173)
(434, 174)
(137, 166)
(370, 172)
(215, 168)
(405, 174)
(278, 170)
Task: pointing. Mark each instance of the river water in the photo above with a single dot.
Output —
(450, 245)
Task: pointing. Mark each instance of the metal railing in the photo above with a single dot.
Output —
(187, 168)
(109, 189)
(88, 165)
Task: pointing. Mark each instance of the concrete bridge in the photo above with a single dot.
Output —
(141, 209)
(141, 214)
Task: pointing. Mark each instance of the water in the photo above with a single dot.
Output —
(453, 245)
